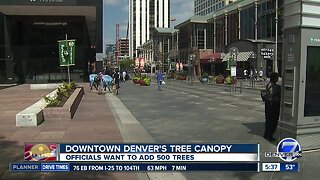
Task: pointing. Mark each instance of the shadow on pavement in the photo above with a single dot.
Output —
(256, 128)
(10, 151)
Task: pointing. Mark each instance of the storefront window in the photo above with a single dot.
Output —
(312, 91)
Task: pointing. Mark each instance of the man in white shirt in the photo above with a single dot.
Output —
(124, 74)
(245, 74)
(261, 74)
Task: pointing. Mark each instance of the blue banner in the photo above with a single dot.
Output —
(159, 148)
(55, 167)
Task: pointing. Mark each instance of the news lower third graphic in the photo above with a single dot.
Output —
(51, 157)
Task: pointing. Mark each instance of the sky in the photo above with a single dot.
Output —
(116, 12)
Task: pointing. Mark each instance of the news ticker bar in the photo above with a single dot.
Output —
(69, 167)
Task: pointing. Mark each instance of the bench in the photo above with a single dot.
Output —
(32, 115)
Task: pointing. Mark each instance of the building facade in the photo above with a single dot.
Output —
(204, 7)
(194, 41)
(144, 15)
(29, 31)
(123, 48)
(242, 20)
(110, 48)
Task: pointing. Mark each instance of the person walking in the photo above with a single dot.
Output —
(159, 77)
(272, 107)
(245, 74)
(261, 74)
(124, 74)
(100, 80)
(116, 79)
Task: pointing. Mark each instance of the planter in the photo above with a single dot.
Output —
(135, 81)
(182, 78)
(67, 111)
(141, 82)
(220, 81)
(204, 80)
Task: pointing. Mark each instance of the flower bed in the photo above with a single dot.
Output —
(64, 105)
(142, 80)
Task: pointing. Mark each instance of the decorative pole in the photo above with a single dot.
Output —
(69, 59)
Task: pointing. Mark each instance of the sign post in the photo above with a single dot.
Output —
(67, 53)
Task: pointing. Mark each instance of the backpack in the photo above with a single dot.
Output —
(266, 94)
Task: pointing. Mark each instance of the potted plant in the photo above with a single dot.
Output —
(230, 80)
(181, 76)
(146, 81)
(219, 79)
(205, 77)
(136, 79)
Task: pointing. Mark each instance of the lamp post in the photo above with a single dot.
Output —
(234, 53)
(190, 65)
(211, 61)
(233, 71)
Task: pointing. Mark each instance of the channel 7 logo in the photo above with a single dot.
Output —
(288, 150)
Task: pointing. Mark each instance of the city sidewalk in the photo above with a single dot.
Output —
(93, 122)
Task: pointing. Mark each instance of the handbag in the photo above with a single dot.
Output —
(266, 94)
(163, 83)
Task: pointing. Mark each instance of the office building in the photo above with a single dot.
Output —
(144, 16)
(123, 48)
(29, 31)
(204, 7)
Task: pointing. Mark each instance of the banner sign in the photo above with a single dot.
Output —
(67, 52)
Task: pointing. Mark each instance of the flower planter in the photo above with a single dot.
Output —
(220, 81)
(204, 80)
(136, 81)
(182, 78)
(141, 82)
(67, 111)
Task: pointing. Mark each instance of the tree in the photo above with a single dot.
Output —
(126, 64)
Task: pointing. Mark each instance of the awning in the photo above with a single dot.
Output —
(242, 56)
(213, 57)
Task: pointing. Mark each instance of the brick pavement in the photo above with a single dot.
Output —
(93, 122)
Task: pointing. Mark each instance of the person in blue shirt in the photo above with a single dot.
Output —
(159, 76)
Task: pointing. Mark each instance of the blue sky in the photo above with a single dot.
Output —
(116, 12)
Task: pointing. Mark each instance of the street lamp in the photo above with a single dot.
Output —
(211, 61)
(190, 64)
(234, 53)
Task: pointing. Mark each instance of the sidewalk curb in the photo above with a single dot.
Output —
(132, 131)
